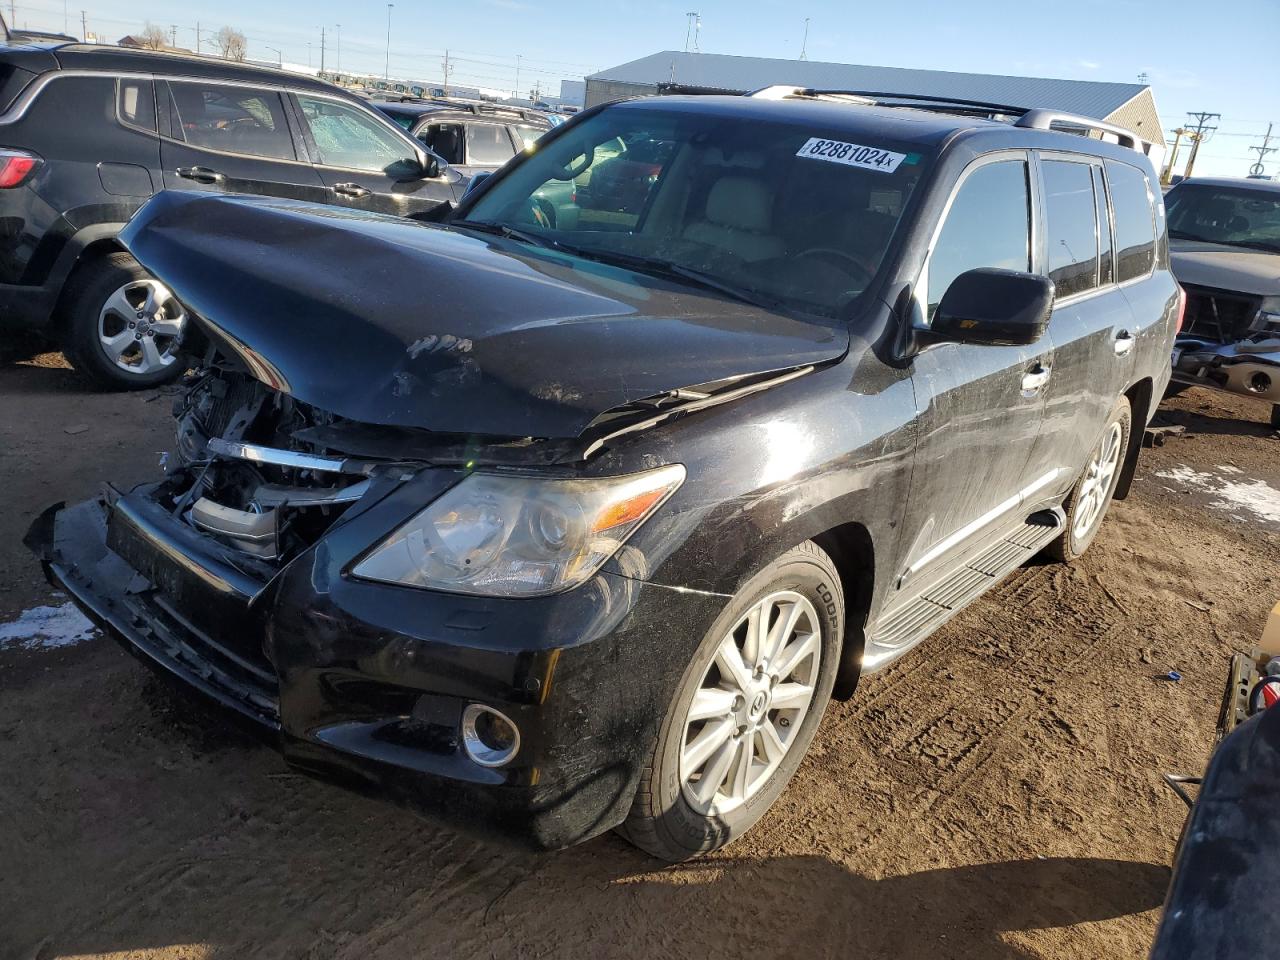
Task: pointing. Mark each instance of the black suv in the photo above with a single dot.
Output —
(472, 137)
(555, 526)
(88, 133)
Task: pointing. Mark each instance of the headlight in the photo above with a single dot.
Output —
(512, 536)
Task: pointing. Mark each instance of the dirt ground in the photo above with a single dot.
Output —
(996, 794)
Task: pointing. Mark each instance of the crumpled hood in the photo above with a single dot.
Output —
(1254, 272)
(394, 322)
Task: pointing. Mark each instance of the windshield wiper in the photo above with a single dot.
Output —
(510, 233)
(669, 270)
(1180, 235)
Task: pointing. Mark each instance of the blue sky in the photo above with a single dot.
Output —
(1199, 56)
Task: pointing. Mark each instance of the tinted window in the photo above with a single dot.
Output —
(232, 119)
(1105, 266)
(352, 139)
(488, 144)
(136, 104)
(1070, 227)
(1135, 221)
(988, 225)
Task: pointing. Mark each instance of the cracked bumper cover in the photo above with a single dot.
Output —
(364, 683)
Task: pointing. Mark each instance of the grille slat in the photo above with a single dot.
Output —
(1219, 315)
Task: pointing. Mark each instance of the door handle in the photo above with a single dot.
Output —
(1124, 343)
(1035, 378)
(353, 190)
(200, 174)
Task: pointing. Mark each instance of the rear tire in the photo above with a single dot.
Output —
(759, 713)
(102, 300)
(1091, 496)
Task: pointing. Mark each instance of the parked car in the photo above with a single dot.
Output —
(1224, 237)
(471, 136)
(557, 529)
(88, 133)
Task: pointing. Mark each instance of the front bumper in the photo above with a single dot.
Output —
(364, 683)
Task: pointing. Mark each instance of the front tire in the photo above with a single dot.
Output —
(122, 328)
(746, 710)
(1091, 496)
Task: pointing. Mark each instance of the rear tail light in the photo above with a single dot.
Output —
(1182, 307)
(15, 167)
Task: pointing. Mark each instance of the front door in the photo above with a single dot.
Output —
(231, 138)
(365, 162)
(979, 407)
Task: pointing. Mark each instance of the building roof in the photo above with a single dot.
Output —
(739, 74)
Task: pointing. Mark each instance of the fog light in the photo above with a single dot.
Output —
(1260, 383)
(490, 738)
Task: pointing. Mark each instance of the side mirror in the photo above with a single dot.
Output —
(431, 167)
(993, 306)
(476, 180)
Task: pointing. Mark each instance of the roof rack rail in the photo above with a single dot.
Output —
(1040, 119)
(919, 99)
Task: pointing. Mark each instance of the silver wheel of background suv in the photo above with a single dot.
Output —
(140, 327)
(750, 703)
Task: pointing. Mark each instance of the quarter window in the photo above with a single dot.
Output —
(988, 225)
(1135, 221)
(1070, 226)
(347, 137)
(488, 144)
(136, 104)
(232, 119)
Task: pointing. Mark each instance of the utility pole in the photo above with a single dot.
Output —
(173, 35)
(804, 44)
(386, 66)
(516, 91)
(337, 49)
(322, 49)
(197, 38)
(691, 30)
(1201, 134)
(446, 73)
(1258, 169)
(84, 27)
(1167, 177)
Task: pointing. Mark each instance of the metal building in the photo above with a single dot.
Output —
(1130, 105)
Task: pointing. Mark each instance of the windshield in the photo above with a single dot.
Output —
(780, 214)
(1238, 216)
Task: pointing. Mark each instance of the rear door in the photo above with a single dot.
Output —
(365, 161)
(980, 406)
(232, 138)
(1091, 327)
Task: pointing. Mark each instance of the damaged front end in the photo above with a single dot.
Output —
(1229, 341)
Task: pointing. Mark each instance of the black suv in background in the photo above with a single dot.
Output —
(470, 136)
(88, 134)
(555, 518)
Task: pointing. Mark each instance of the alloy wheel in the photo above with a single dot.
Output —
(747, 711)
(1098, 476)
(140, 327)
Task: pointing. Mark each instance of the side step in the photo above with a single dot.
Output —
(921, 616)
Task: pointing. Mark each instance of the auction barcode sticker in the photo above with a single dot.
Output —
(851, 154)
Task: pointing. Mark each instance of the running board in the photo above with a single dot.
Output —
(921, 616)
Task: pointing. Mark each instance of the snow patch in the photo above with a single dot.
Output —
(47, 628)
(1239, 497)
